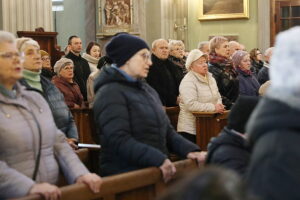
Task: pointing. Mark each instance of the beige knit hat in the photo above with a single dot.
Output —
(24, 41)
(194, 55)
(62, 63)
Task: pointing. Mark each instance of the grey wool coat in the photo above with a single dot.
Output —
(20, 121)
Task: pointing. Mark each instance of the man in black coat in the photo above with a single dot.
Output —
(163, 74)
(229, 149)
(263, 74)
(81, 66)
(274, 128)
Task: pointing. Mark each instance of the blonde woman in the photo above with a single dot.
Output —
(198, 92)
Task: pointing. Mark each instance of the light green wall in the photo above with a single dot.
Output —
(71, 21)
(1, 17)
(153, 20)
(245, 29)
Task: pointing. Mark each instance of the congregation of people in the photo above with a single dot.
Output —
(128, 88)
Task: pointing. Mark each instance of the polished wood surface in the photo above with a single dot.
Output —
(173, 113)
(144, 184)
(208, 125)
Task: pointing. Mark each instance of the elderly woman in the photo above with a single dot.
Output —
(92, 55)
(32, 148)
(33, 80)
(198, 92)
(256, 61)
(47, 70)
(222, 70)
(135, 130)
(248, 84)
(177, 56)
(64, 68)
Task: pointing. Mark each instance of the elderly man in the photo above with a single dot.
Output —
(163, 74)
(81, 66)
(263, 74)
(204, 47)
(233, 47)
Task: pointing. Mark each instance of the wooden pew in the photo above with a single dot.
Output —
(144, 184)
(84, 120)
(208, 125)
(173, 113)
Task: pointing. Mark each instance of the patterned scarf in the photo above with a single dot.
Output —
(222, 62)
(245, 71)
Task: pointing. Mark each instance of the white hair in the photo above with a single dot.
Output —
(202, 44)
(7, 37)
(154, 43)
(173, 43)
(268, 51)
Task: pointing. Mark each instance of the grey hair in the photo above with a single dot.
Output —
(173, 43)
(201, 44)
(268, 51)
(7, 37)
(154, 43)
(24, 42)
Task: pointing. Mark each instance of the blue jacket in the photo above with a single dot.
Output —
(248, 85)
(135, 131)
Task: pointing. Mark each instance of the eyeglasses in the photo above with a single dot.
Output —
(11, 55)
(68, 68)
(46, 58)
(146, 56)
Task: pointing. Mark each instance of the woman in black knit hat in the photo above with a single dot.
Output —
(135, 131)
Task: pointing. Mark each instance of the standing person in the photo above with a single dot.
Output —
(34, 81)
(198, 93)
(177, 57)
(135, 130)
(263, 74)
(92, 55)
(248, 84)
(256, 61)
(233, 47)
(222, 70)
(65, 83)
(47, 70)
(274, 128)
(81, 66)
(204, 47)
(162, 74)
(33, 150)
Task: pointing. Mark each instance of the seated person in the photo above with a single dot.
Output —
(33, 80)
(229, 148)
(33, 150)
(64, 69)
(135, 131)
(198, 92)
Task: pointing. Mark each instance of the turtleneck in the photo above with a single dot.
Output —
(33, 79)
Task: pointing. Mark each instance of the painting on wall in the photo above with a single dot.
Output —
(115, 16)
(224, 9)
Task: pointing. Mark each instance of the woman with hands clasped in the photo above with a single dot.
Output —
(198, 92)
(135, 131)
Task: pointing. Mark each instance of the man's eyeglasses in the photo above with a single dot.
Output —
(46, 58)
(11, 55)
(146, 56)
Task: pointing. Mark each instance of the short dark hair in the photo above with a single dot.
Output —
(90, 45)
(70, 39)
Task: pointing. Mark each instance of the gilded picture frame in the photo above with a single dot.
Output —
(223, 9)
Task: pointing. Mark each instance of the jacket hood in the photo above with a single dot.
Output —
(226, 138)
(110, 75)
(271, 115)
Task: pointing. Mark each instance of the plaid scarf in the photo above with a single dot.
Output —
(222, 62)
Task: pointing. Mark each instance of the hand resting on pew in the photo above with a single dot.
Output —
(92, 180)
(199, 156)
(48, 191)
(168, 170)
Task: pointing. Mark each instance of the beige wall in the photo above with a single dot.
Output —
(153, 20)
(245, 29)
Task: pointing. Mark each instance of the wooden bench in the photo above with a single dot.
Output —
(208, 125)
(173, 113)
(144, 184)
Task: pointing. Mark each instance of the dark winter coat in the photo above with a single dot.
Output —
(229, 150)
(165, 79)
(48, 73)
(256, 66)
(70, 91)
(274, 133)
(61, 113)
(248, 84)
(81, 72)
(263, 75)
(135, 131)
(227, 82)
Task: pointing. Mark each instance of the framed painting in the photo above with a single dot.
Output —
(224, 9)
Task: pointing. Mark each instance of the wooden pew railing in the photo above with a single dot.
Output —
(208, 125)
(144, 184)
(173, 113)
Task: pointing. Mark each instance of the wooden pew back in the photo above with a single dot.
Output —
(144, 184)
(173, 113)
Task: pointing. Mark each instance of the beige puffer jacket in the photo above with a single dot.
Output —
(197, 93)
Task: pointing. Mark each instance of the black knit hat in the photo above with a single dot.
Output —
(240, 113)
(122, 47)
